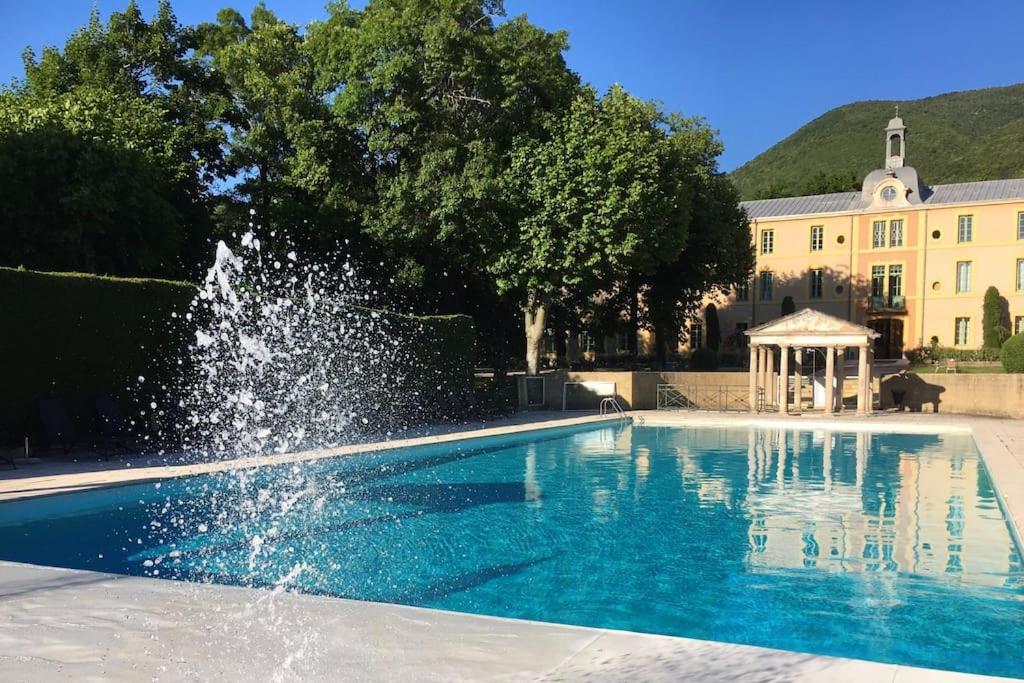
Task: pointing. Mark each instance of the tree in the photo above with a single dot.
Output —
(788, 305)
(714, 328)
(601, 197)
(994, 321)
(718, 254)
(294, 164)
(127, 114)
(437, 93)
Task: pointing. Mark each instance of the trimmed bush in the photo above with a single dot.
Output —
(951, 352)
(994, 331)
(704, 359)
(713, 326)
(1012, 354)
(77, 336)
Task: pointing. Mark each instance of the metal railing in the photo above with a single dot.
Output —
(889, 302)
(718, 397)
(609, 404)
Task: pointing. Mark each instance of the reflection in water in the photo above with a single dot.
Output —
(847, 502)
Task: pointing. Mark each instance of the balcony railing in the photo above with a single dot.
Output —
(888, 302)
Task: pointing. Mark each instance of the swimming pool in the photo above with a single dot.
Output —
(885, 547)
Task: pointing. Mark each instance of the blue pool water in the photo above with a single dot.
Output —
(884, 547)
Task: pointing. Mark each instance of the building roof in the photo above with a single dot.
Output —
(837, 202)
(810, 327)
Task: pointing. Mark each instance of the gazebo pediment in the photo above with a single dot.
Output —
(811, 328)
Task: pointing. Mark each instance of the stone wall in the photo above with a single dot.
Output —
(1000, 395)
(634, 390)
(982, 394)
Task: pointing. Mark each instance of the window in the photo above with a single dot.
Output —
(767, 241)
(817, 283)
(588, 343)
(1020, 225)
(896, 280)
(817, 237)
(960, 334)
(767, 283)
(963, 277)
(965, 231)
(896, 233)
(742, 291)
(622, 342)
(1018, 324)
(878, 234)
(877, 280)
(696, 334)
(1020, 275)
(549, 342)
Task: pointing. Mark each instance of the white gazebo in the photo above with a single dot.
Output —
(804, 330)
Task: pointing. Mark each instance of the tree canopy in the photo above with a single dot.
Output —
(444, 147)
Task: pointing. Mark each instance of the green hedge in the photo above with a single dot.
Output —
(1013, 354)
(75, 336)
(929, 353)
(434, 368)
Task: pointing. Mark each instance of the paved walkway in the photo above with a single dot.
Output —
(60, 624)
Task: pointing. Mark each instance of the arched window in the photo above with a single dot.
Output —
(894, 145)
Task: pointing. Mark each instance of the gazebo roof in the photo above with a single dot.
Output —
(809, 327)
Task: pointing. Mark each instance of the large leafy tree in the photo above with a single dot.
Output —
(437, 92)
(602, 196)
(290, 160)
(718, 252)
(123, 117)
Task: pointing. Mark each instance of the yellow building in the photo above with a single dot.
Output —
(910, 261)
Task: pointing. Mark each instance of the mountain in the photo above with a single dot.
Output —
(956, 137)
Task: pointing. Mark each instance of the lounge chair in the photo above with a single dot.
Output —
(115, 431)
(57, 425)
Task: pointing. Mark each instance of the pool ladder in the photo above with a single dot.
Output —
(610, 405)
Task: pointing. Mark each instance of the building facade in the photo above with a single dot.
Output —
(910, 261)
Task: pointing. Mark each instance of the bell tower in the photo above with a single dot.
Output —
(895, 143)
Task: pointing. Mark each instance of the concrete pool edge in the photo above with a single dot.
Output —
(65, 623)
(19, 484)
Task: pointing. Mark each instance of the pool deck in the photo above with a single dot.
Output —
(61, 624)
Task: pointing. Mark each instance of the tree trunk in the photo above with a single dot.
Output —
(534, 319)
(634, 314)
(572, 347)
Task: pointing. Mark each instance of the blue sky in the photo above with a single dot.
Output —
(756, 70)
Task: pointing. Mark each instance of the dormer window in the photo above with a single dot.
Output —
(889, 193)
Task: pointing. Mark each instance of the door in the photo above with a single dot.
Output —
(890, 342)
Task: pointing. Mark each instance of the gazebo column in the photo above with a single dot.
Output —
(870, 379)
(753, 377)
(783, 379)
(798, 386)
(769, 390)
(830, 378)
(840, 376)
(862, 380)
